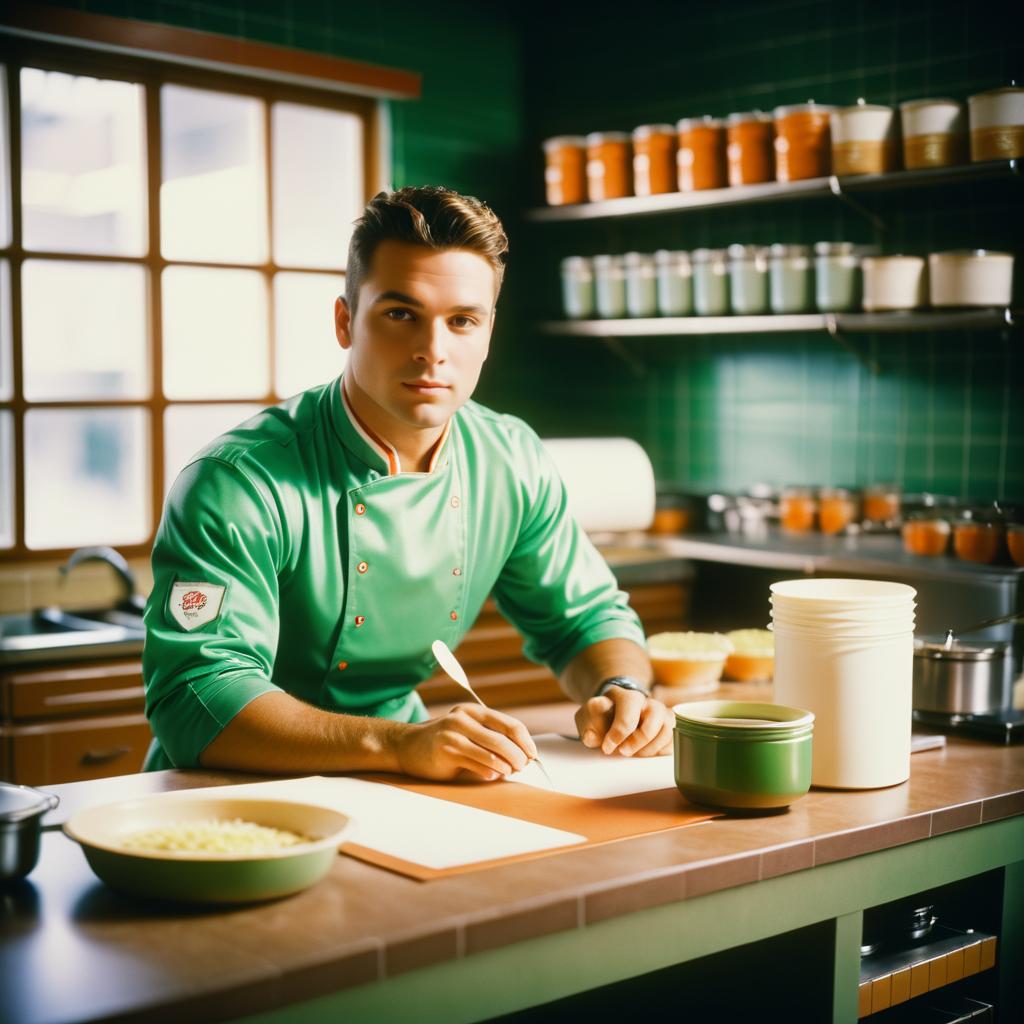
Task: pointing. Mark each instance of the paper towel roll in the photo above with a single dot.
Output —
(609, 481)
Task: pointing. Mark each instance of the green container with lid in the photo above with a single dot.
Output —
(742, 755)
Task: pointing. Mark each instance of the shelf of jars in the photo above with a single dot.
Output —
(770, 191)
(831, 323)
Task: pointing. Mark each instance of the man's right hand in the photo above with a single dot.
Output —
(468, 739)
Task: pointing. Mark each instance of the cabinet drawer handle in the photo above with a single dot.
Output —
(104, 756)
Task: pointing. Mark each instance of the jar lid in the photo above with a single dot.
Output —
(895, 258)
(644, 131)
(607, 260)
(687, 124)
(677, 256)
(862, 104)
(637, 259)
(938, 101)
(707, 255)
(561, 141)
(20, 802)
(969, 254)
(738, 251)
(834, 249)
(996, 92)
(937, 649)
(783, 251)
(575, 263)
(598, 138)
(810, 107)
(748, 115)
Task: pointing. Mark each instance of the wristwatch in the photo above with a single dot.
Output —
(625, 682)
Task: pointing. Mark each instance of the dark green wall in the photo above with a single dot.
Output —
(945, 411)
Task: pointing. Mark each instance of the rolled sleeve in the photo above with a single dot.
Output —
(555, 586)
(217, 529)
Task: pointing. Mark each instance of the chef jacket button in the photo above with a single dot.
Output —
(362, 567)
(360, 509)
(456, 571)
(455, 616)
(455, 501)
(342, 665)
(360, 619)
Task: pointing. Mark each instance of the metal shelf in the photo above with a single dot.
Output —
(771, 191)
(832, 323)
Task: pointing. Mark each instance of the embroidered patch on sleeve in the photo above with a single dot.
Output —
(195, 604)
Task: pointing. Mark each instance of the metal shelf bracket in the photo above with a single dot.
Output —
(832, 326)
(835, 186)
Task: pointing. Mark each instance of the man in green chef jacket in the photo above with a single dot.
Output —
(307, 559)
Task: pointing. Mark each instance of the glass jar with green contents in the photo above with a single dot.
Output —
(837, 280)
(748, 279)
(674, 276)
(577, 287)
(790, 279)
(641, 287)
(710, 282)
(609, 286)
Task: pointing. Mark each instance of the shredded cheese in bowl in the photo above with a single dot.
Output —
(212, 836)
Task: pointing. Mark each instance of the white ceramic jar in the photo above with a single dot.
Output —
(674, 277)
(864, 139)
(894, 282)
(997, 124)
(609, 287)
(934, 133)
(970, 278)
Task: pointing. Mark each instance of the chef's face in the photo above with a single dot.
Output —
(420, 333)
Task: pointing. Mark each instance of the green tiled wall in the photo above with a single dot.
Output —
(944, 411)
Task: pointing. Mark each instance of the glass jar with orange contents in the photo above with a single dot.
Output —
(803, 142)
(926, 533)
(1015, 542)
(609, 165)
(565, 170)
(797, 509)
(837, 508)
(700, 161)
(882, 503)
(749, 147)
(978, 537)
(654, 159)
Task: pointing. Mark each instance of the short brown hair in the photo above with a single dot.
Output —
(428, 215)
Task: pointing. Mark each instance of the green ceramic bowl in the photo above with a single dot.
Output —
(743, 755)
(208, 877)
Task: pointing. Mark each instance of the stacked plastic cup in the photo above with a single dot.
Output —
(844, 649)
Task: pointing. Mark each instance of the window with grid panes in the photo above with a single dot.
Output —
(171, 244)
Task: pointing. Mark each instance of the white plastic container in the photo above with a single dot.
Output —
(894, 282)
(844, 650)
(934, 133)
(675, 282)
(609, 286)
(577, 287)
(641, 284)
(997, 124)
(970, 278)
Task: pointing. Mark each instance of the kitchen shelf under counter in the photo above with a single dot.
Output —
(368, 944)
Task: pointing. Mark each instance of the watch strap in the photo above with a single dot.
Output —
(625, 682)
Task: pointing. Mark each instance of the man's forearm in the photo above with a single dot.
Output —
(585, 673)
(277, 733)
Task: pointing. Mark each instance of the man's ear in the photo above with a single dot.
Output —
(343, 322)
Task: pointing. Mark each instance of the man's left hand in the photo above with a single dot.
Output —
(626, 722)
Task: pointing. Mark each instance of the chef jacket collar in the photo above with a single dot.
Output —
(367, 445)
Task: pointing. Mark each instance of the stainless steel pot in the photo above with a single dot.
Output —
(21, 813)
(960, 678)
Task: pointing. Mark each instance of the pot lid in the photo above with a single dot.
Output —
(644, 131)
(20, 802)
(935, 648)
(938, 101)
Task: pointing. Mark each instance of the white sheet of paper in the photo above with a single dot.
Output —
(421, 829)
(577, 770)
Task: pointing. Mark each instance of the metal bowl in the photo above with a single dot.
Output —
(204, 877)
(21, 813)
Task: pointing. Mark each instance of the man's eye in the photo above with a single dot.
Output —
(398, 314)
(463, 321)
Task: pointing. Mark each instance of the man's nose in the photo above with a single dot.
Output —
(432, 344)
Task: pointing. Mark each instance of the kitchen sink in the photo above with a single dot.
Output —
(54, 634)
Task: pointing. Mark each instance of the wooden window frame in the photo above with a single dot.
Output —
(17, 51)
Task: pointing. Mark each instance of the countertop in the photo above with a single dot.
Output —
(71, 950)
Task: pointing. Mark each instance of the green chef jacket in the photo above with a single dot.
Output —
(294, 555)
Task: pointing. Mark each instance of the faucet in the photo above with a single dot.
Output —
(131, 601)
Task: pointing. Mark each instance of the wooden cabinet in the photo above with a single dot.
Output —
(72, 722)
(492, 651)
